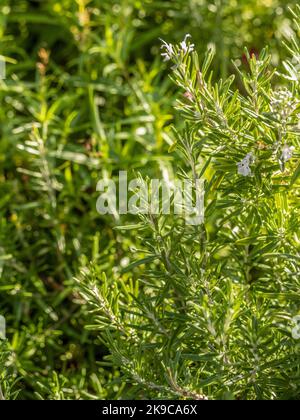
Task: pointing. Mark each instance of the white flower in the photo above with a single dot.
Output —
(169, 52)
(187, 47)
(244, 169)
(287, 153)
(244, 166)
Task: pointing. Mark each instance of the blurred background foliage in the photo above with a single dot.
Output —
(85, 96)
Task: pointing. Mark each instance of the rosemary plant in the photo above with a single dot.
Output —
(183, 311)
(208, 311)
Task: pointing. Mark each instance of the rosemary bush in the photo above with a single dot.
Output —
(210, 313)
(189, 312)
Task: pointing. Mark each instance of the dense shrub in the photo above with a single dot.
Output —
(211, 315)
(85, 95)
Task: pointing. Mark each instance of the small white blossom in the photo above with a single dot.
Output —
(244, 166)
(186, 47)
(168, 50)
(287, 153)
(244, 169)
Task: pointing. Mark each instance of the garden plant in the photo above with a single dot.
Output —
(149, 305)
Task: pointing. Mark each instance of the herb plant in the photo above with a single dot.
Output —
(207, 312)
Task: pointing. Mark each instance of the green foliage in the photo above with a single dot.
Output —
(197, 309)
(210, 315)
